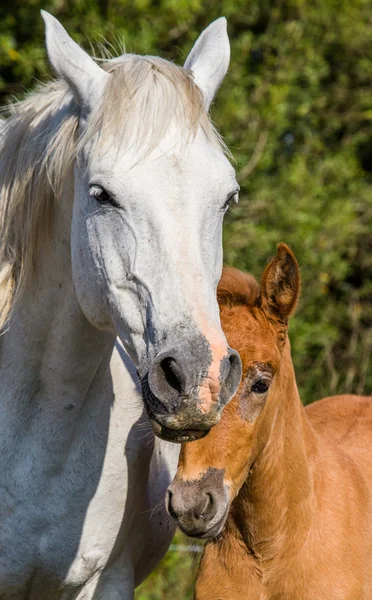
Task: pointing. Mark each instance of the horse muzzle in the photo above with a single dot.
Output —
(182, 399)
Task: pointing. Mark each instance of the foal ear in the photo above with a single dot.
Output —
(280, 286)
(209, 59)
(83, 75)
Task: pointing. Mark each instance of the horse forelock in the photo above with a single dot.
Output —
(143, 96)
(39, 143)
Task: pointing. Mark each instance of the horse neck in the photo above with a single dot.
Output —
(273, 511)
(50, 352)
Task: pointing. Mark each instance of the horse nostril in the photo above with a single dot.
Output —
(173, 373)
(232, 375)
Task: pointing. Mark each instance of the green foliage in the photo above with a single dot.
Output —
(301, 136)
(175, 575)
(296, 110)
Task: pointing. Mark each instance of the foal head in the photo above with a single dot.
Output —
(211, 471)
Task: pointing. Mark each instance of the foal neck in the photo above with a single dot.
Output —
(273, 511)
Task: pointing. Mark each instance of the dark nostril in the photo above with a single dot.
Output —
(168, 504)
(198, 507)
(229, 366)
(211, 499)
(234, 362)
(173, 373)
(204, 508)
(232, 375)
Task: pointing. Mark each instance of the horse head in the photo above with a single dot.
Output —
(151, 186)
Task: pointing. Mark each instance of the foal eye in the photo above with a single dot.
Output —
(100, 194)
(260, 387)
(233, 198)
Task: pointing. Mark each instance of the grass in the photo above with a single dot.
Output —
(175, 575)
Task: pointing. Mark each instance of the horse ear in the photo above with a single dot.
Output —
(209, 59)
(83, 75)
(280, 286)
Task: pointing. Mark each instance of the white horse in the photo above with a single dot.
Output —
(113, 190)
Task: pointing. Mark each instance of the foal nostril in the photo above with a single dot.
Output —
(173, 373)
(204, 508)
(194, 507)
(168, 504)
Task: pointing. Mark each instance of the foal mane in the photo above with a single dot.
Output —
(39, 142)
(237, 288)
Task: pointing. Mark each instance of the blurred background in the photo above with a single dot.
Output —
(296, 111)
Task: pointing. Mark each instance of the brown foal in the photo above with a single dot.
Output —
(284, 492)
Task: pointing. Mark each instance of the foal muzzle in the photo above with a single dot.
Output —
(200, 508)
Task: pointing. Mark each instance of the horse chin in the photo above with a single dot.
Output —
(177, 436)
(174, 434)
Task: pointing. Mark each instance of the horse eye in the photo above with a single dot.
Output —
(233, 198)
(100, 194)
(260, 386)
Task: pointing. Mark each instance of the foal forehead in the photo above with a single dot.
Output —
(249, 332)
